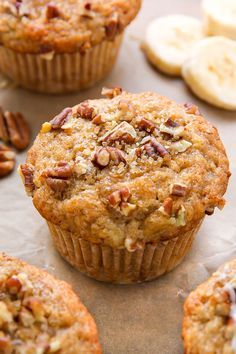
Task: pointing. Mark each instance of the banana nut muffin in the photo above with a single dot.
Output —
(57, 46)
(127, 173)
(40, 314)
(210, 314)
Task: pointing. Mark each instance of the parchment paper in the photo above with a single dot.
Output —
(142, 318)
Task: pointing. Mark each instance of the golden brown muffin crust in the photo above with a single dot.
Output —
(209, 325)
(40, 314)
(41, 26)
(133, 166)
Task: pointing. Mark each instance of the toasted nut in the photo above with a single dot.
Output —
(172, 128)
(85, 111)
(181, 145)
(111, 92)
(124, 105)
(191, 109)
(7, 160)
(112, 26)
(180, 220)
(57, 185)
(101, 158)
(5, 345)
(125, 194)
(171, 123)
(133, 245)
(88, 6)
(116, 155)
(46, 127)
(36, 306)
(210, 211)
(178, 190)
(155, 149)
(52, 12)
(145, 124)
(166, 207)
(26, 172)
(127, 208)
(122, 132)
(62, 170)
(97, 120)
(116, 198)
(14, 129)
(13, 285)
(59, 120)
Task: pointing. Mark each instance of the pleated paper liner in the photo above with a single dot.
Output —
(108, 264)
(62, 72)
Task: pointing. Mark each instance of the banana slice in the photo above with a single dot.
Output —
(168, 41)
(210, 71)
(220, 17)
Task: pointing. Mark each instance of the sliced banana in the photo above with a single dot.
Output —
(168, 41)
(220, 17)
(210, 71)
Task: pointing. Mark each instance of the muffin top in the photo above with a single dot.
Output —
(40, 314)
(133, 166)
(210, 314)
(42, 26)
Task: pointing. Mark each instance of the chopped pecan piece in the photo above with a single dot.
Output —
(171, 123)
(27, 174)
(210, 211)
(85, 111)
(133, 245)
(36, 306)
(166, 207)
(145, 124)
(119, 196)
(112, 26)
(192, 109)
(178, 190)
(111, 92)
(59, 120)
(116, 155)
(103, 156)
(14, 129)
(13, 285)
(57, 185)
(7, 160)
(52, 12)
(5, 345)
(58, 177)
(122, 132)
(155, 149)
(88, 6)
(97, 120)
(172, 128)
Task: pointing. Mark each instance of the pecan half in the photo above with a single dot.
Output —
(103, 156)
(59, 120)
(57, 178)
(111, 92)
(52, 12)
(116, 155)
(122, 132)
(145, 124)
(26, 172)
(178, 190)
(155, 149)
(112, 26)
(192, 109)
(210, 211)
(13, 285)
(14, 129)
(85, 111)
(7, 160)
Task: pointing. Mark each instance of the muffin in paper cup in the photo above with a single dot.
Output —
(209, 314)
(42, 314)
(58, 47)
(124, 183)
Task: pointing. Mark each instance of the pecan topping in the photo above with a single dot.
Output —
(122, 132)
(13, 285)
(103, 156)
(7, 160)
(210, 211)
(192, 109)
(52, 12)
(145, 124)
(171, 123)
(5, 345)
(97, 120)
(166, 207)
(27, 174)
(133, 245)
(85, 111)
(59, 120)
(58, 177)
(178, 190)
(112, 26)
(111, 92)
(14, 129)
(88, 6)
(119, 196)
(155, 149)
(172, 128)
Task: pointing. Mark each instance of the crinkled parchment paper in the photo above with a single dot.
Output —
(142, 318)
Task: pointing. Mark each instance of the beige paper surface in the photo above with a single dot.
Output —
(142, 318)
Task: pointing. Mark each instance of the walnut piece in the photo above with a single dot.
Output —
(178, 190)
(111, 92)
(123, 132)
(26, 172)
(7, 160)
(59, 120)
(57, 178)
(14, 129)
(103, 156)
(85, 111)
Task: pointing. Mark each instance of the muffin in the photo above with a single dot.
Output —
(61, 46)
(40, 314)
(124, 183)
(209, 314)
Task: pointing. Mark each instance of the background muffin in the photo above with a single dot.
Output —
(40, 314)
(209, 322)
(61, 46)
(125, 182)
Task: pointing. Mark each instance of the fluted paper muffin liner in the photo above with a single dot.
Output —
(62, 72)
(116, 265)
